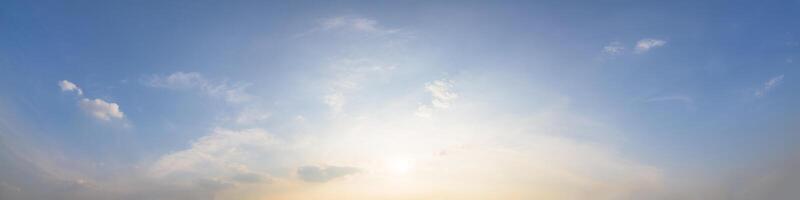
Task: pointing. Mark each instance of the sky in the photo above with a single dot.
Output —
(424, 100)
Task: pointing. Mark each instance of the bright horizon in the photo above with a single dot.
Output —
(562, 100)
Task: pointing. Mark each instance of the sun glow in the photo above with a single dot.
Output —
(400, 165)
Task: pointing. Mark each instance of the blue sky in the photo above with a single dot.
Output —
(396, 100)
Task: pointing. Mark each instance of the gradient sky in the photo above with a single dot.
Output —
(603, 100)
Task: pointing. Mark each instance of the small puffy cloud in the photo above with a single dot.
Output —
(614, 48)
(324, 173)
(234, 93)
(69, 86)
(769, 85)
(645, 45)
(442, 97)
(101, 109)
(97, 108)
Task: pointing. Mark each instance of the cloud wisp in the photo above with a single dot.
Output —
(442, 96)
(614, 48)
(232, 93)
(352, 24)
(769, 85)
(645, 45)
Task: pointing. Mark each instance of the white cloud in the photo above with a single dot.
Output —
(101, 109)
(234, 93)
(225, 156)
(614, 48)
(442, 97)
(645, 45)
(769, 85)
(97, 108)
(69, 86)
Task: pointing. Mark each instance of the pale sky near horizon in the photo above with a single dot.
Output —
(574, 100)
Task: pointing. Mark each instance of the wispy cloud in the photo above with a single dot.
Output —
(647, 44)
(226, 156)
(442, 97)
(349, 76)
(770, 85)
(614, 48)
(234, 93)
(350, 24)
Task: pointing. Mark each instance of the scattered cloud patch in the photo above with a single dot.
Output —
(349, 76)
(770, 85)
(324, 173)
(251, 116)
(101, 109)
(614, 48)
(645, 45)
(335, 101)
(442, 97)
(359, 24)
(69, 86)
(233, 93)
(349, 24)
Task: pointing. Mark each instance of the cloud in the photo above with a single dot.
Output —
(442, 97)
(614, 48)
(350, 76)
(349, 23)
(227, 156)
(251, 116)
(69, 86)
(335, 101)
(101, 109)
(770, 85)
(233, 93)
(97, 108)
(324, 173)
(645, 45)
